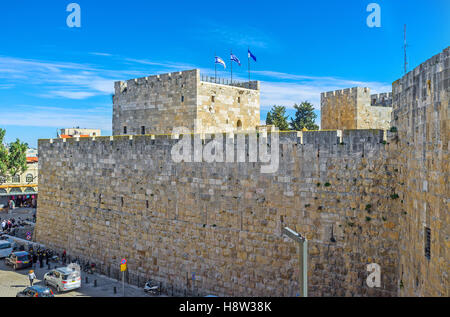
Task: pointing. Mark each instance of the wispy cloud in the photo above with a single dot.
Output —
(100, 54)
(55, 79)
(57, 117)
(73, 80)
(6, 86)
(69, 94)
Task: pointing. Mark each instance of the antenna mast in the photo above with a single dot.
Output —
(405, 45)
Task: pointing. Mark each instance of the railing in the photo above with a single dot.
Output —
(223, 81)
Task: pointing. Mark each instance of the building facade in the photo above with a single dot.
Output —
(22, 189)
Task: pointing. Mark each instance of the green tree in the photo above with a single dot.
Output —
(3, 155)
(276, 116)
(17, 157)
(13, 158)
(304, 117)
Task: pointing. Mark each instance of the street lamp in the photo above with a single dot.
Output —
(302, 258)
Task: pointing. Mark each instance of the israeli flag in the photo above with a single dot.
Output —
(251, 55)
(221, 62)
(235, 59)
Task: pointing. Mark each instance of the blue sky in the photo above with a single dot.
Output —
(53, 76)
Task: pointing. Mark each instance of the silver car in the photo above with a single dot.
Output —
(6, 248)
(63, 279)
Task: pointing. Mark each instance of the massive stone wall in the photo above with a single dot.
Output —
(105, 200)
(421, 116)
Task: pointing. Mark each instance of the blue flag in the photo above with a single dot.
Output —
(251, 55)
(220, 61)
(235, 59)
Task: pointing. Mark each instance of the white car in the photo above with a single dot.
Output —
(63, 279)
(6, 248)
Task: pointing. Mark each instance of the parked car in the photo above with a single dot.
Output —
(19, 260)
(63, 279)
(36, 291)
(6, 248)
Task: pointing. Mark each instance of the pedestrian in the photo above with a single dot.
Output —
(34, 259)
(31, 276)
(41, 265)
(64, 255)
(46, 257)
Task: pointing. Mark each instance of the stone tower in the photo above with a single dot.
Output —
(158, 104)
(355, 108)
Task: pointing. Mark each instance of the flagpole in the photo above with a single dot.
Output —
(248, 55)
(215, 68)
(231, 67)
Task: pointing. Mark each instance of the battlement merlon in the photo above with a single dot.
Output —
(123, 86)
(181, 77)
(381, 100)
(354, 91)
(354, 140)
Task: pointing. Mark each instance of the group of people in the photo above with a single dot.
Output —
(8, 224)
(39, 256)
(22, 202)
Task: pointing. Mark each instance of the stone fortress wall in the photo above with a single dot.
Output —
(355, 108)
(421, 113)
(217, 227)
(223, 221)
(182, 99)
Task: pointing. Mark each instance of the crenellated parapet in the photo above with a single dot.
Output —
(347, 142)
(381, 100)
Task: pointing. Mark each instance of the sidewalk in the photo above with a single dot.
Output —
(105, 285)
